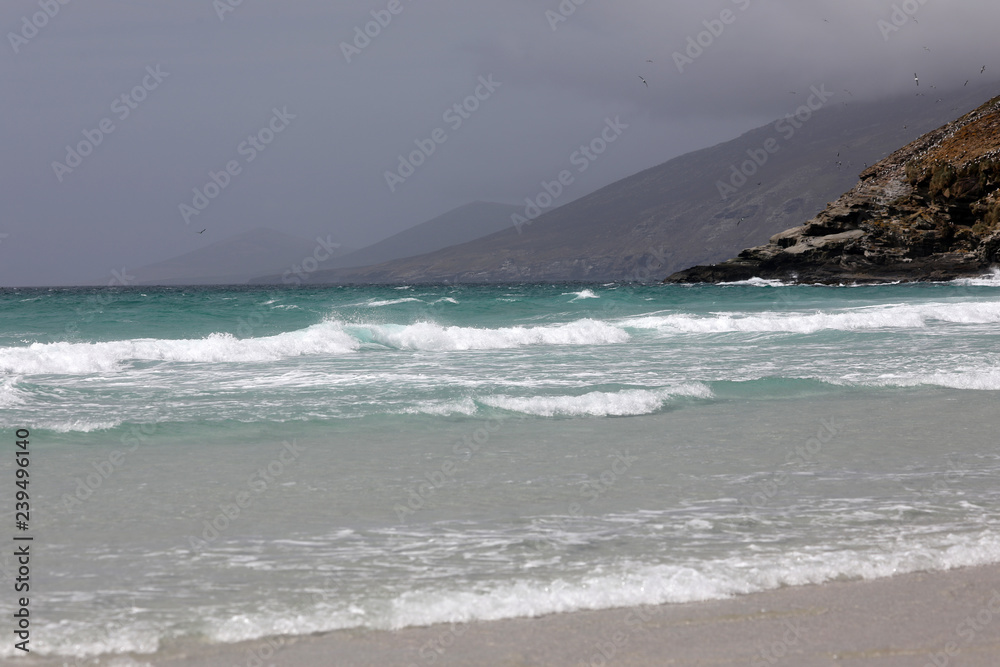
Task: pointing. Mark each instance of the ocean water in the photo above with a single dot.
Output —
(212, 465)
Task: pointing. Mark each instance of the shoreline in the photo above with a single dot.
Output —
(941, 618)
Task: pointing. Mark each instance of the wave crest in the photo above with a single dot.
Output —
(629, 402)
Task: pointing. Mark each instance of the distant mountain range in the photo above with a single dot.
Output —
(460, 225)
(269, 256)
(236, 259)
(699, 208)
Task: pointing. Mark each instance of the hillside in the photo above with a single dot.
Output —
(459, 225)
(929, 211)
(676, 215)
(232, 260)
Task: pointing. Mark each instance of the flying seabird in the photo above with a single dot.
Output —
(983, 69)
(203, 231)
(967, 82)
(644, 81)
(916, 78)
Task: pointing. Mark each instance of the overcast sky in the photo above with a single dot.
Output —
(199, 78)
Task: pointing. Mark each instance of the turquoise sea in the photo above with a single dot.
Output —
(211, 465)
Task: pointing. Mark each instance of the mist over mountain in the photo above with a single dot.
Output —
(236, 259)
(695, 209)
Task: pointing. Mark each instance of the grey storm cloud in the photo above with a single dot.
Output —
(361, 83)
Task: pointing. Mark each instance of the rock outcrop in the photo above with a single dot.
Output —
(930, 211)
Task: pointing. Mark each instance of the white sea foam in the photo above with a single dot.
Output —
(79, 426)
(876, 317)
(326, 338)
(465, 406)
(981, 380)
(625, 584)
(633, 584)
(82, 639)
(434, 337)
(579, 296)
(599, 403)
(391, 302)
(988, 280)
(10, 394)
(758, 282)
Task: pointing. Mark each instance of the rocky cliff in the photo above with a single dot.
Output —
(929, 211)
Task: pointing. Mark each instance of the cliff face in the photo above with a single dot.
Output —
(929, 211)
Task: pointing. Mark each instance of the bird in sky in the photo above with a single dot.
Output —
(649, 61)
(203, 231)
(967, 82)
(916, 78)
(983, 69)
(741, 220)
(643, 80)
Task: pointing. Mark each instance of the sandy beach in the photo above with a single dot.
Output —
(942, 619)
